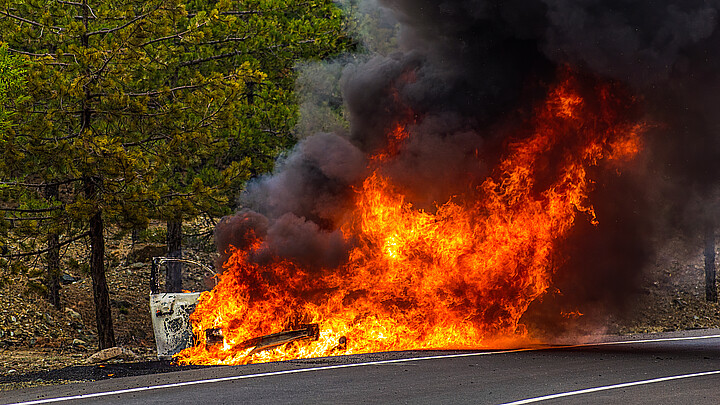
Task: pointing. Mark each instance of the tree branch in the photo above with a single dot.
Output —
(216, 57)
(39, 252)
(37, 24)
(133, 21)
(37, 185)
(179, 35)
(30, 211)
(69, 3)
(27, 219)
(157, 93)
(52, 55)
(222, 41)
(260, 12)
(144, 141)
(231, 54)
(191, 16)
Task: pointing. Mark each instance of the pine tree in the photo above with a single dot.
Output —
(146, 109)
(269, 37)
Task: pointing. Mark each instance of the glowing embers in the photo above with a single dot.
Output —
(458, 276)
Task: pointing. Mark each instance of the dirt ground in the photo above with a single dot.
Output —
(672, 295)
(37, 339)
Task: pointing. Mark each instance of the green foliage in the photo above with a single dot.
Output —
(169, 106)
(12, 80)
(153, 235)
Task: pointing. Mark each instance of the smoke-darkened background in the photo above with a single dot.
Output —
(462, 73)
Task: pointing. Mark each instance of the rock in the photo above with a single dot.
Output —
(111, 353)
(679, 302)
(75, 316)
(68, 279)
(48, 319)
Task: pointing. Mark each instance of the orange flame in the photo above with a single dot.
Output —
(459, 277)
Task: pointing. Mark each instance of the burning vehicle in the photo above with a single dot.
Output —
(500, 174)
(170, 313)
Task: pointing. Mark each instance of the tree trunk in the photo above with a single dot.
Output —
(710, 285)
(52, 271)
(101, 295)
(173, 282)
(91, 185)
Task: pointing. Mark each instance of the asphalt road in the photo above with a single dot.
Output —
(670, 368)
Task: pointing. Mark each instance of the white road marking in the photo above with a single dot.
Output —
(248, 376)
(622, 342)
(610, 387)
(370, 363)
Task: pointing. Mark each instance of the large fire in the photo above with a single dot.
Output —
(460, 276)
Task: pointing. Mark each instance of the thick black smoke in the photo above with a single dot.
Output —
(460, 72)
